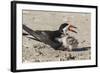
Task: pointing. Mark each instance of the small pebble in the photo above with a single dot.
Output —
(57, 56)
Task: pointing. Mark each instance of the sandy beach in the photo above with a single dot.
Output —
(35, 51)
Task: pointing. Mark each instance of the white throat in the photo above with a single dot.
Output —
(65, 29)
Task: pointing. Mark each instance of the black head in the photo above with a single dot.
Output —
(62, 27)
(66, 27)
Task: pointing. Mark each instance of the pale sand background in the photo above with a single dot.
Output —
(34, 51)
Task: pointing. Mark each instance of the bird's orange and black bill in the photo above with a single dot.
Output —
(70, 28)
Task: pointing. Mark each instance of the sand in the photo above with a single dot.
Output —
(34, 51)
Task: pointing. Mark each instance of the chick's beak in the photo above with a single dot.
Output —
(71, 27)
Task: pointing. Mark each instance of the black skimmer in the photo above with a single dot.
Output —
(55, 39)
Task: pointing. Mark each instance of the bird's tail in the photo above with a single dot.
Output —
(32, 32)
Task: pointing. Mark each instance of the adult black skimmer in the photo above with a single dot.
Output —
(55, 39)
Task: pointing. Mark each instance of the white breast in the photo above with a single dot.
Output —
(64, 42)
(58, 39)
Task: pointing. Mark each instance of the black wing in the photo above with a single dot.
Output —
(44, 36)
